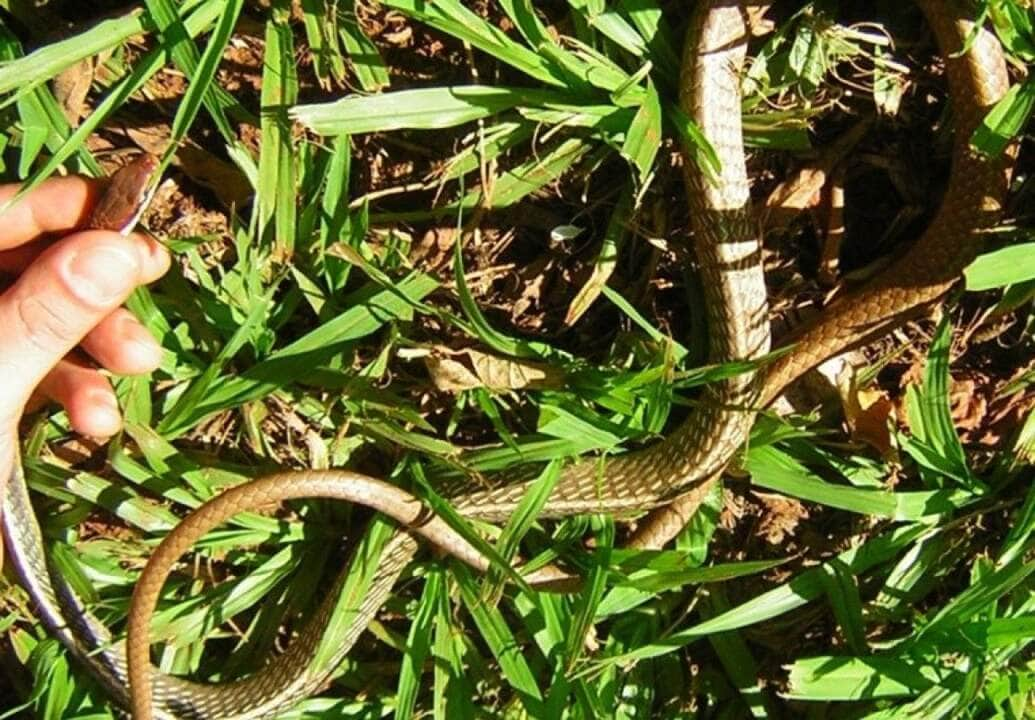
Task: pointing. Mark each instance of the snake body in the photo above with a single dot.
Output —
(680, 466)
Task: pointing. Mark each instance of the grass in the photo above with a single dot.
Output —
(301, 342)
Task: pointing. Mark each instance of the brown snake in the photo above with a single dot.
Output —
(682, 465)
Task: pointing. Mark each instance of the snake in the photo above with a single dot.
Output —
(670, 476)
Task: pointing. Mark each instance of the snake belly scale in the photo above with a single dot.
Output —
(680, 466)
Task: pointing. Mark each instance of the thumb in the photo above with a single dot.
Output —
(59, 299)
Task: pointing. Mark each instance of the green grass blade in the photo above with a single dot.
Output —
(451, 17)
(366, 59)
(851, 678)
(418, 644)
(201, 73)
(43, 64)
(931, 418)
(1009, 266)
(607, 258)
(501, 642)
(841, 590)
(1006, 121)
(285, 366)
(643, 141)
(776, 470)
(420, 109)
(787, 597)
(276, 202)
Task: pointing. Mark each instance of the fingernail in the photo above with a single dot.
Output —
(158, 251)
(147, 349)
(104, 413)
(157, 259)
(102, 274)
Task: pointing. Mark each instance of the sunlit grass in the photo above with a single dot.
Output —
(302, 345)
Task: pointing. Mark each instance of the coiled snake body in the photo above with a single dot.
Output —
(681, 466)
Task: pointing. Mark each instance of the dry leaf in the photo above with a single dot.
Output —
(533, 283)
(71, 87)
(1005, 416)
(76, 450)
(870, 419)
(434, 247)
(785, 203)
(803, 189)
(469, 369)
(833, 228)
(223, 178)
(870, 413)
(588, 293)
(781, 518)
(758, 24)
(1010, 417)
(450, 375)
(968, 405)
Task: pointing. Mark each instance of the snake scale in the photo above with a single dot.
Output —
(680, 467)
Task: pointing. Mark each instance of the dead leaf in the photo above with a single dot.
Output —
(833, 228)
(224, 179)
(533, 284)
(967, 403)
(588, 293)
(758, 24)
(435, 246)
(453, 371)
(150, 137)
(803, 190)
(781, 518)
(871, 419)
(71, 87)
(1011, 417)
(870, 413)
(450, 375)
(1005, 415)
(76, 450)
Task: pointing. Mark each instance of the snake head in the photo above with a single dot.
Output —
(129, 191)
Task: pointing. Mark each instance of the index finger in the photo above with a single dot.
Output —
(60, 204)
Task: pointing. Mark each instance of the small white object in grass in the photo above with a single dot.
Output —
(564, 233)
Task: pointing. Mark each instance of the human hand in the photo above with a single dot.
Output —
(68, 293)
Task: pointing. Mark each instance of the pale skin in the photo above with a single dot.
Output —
(63, 330)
